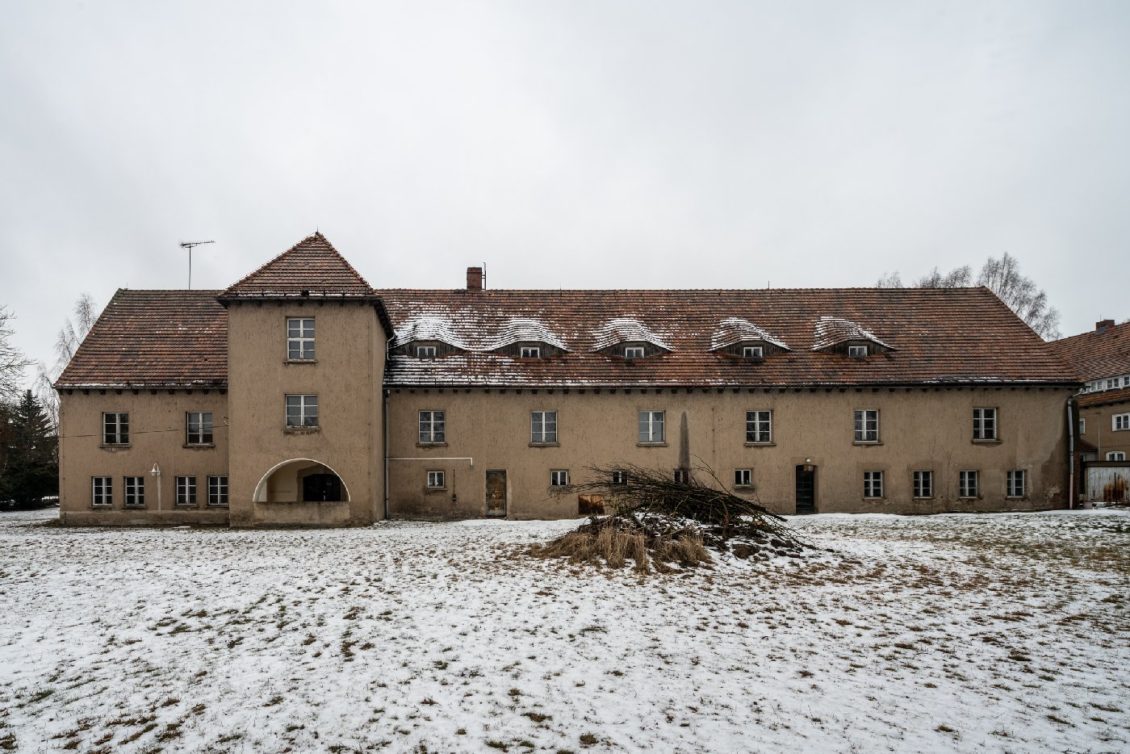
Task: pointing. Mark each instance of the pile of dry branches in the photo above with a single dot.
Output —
(658, 522)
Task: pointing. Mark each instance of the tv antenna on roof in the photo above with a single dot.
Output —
(189, 245)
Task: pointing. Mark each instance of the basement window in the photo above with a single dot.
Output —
(619, 478)
(743, 477)
(1016, 483)
(102, 491)
(968, 484)
(872, 484)
(186, 490)
(923, 484)
(135, 491)
(437, 480)
(217, 490)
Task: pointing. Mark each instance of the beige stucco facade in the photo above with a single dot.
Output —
(1101, 431)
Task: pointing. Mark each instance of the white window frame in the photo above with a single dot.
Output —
(858, 351)
(743, 477)
(300, 339)
(968, 484)
(759, 426)
(985, 425)
(619, 478)
(753, 352)
(426, 352)
(529, 352)
(433, 427)
(1016, 483)
(199, 428)
(866, 425)
(1082, 426)
(649, 420)
(1120, 422)
(635, 352)
(1116, 455)
(559, 478)
(872, 485)
(185, 490)
(133, 491)
(115, 428)
(922, 484)
(102, 491)
(436, 479)
(305, 411)
(682, 476)
(217, 490)
(543, 427)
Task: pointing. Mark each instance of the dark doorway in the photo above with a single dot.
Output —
(324, 488)
(805, 489)
(496, 493)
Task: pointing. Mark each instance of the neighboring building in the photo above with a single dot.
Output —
(300, 395)
(1101, 360)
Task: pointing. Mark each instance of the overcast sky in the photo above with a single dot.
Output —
(565, 144)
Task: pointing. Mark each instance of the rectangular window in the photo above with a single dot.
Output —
(559, 478)
(651, 427)
(759, 426)
(101, 490)
(857, 352)
(1111, 384)
(543, 427)
(115, 429)
(619, 478)
(198, 428)
(682, 476)
(437, 480)
(186, 490)
(984, 424)
(967, 484)
(1120, 422)
(1016, 483)
(923, 484)
(872, 484)
(753, 352)
(529, 352)
(425, 352)
(432, 428)
(1116, 455)
(302, 411)
(743, 477)
(867, 425)
(135, 491)
(1082, 426)
(300, 338)
(217, 490)
(633, 352)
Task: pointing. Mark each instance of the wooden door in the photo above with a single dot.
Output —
(496, 493)
(805, 489)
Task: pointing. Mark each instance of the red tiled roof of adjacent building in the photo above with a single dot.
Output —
(1096, 354)
(939, 337)
(311, 268)
(1103, 398)
(154, 339)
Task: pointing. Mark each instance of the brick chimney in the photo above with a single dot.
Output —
(1099, 326)
(474, 278)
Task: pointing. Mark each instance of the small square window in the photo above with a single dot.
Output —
(753, 352)
(425, 352)
(529, 352)
(857, 352)
(186, 490)
(217, 490)
(115, 429)
(102, 491)
(867, 425)
(559, 478)
(433, 428)
(437, 480)
(134, 491)
(302, 411)
(619, 478)
(743, 477)
(300, 338)
(634, 352)
(873, 484)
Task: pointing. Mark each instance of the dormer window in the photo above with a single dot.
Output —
(857, 352)
(753, 352)
(425, 352)
(529, 352)
(634, 352)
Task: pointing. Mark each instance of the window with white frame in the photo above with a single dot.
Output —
(198, 428)
(1116, 455)
(559, 478)
(923, 483)
(867, 425)
(302, 411)
(651, 427)
(753, 352)
(619, 478)
(984, 424)
(186, 490)
(968, 484)
(1112, 383)
(1120, 422)
(529, 352)
(134, 487)
(857, 352)
(217, 490)
(115, 429)
(101, 491)
(682, 476)
(1082, 426)
(437, 480)
(759, 426)
(743, 477)
(543, 427)
(300, 338)
(1016, 483)
(432, 428)
(634, 352)
(425, 352)
(872, 484)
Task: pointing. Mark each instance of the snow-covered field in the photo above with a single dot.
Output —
(972, 633)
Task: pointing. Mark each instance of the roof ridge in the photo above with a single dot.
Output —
(313, 242)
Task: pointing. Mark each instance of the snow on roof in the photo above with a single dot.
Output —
(442, 326)
(429, 326)
(733, 330)
(625, 330)
(831, 331)
(523, 330)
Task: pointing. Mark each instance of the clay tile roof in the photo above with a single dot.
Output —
(1103, 398)
(154, 339)
(832, 331)
(313, 267)
(1096, 354)
(943, 337)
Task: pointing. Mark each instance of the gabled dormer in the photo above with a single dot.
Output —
(526, 338)
(741, 339)
(629, 339)
(427, 336)
(842, 336)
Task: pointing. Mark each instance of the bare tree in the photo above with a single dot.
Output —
(70, 337)
(12, 362)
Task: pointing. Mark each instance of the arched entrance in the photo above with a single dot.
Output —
(301, 480)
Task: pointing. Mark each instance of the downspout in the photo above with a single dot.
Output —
(1071, 429)
(384, 431)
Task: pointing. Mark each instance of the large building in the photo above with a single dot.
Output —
(302, 396)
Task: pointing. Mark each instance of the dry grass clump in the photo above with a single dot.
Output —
(613, 541)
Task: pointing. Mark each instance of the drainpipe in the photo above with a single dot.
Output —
(1071, 429)
(384, 431)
